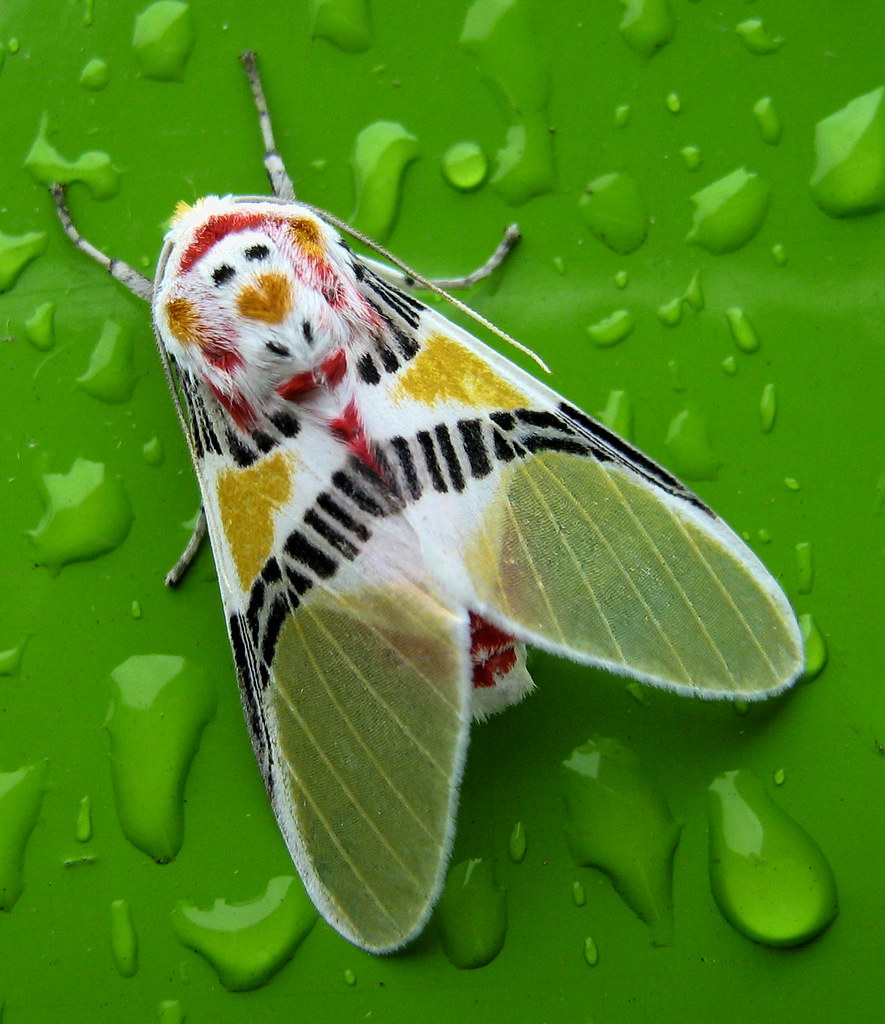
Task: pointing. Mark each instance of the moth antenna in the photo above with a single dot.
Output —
(280, 181)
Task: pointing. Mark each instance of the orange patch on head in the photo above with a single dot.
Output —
(268, 299)
(308, 237)
(183, 321)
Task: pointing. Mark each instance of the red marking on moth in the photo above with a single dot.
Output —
(216, 228)
(297, 387)
(491, 650)
(240, 410)
(329, 375)
(348, 427)
(220, 354)
(334, 367)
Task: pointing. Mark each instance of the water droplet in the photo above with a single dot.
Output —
(673, 102)
(247, 943)
(675, 372)
(792, 484)
(618, 414)
(618, 822)
(87, 514)
(349, 977)
(471, 916)
(10, 662)
(135, 610)
(95, 75)
(688, 443)
(465, 166)
(153, 452)
(40, 327)
(779, 254)
(159, 706)
(16, 252)
(622, 115)
(694, 293)
(14, 45)
(346, 24)
(638, 692)
(849, 173)
(94, 168)
(163, 39)
(815, 648)
(779, 777)
(647, 25)
(382, 152)
(670, 313)
(500, 35)
(691, 157)
(729, 364)
(517, 844)
(88, 11)
(124, 942)
(611, 329)
(741, 707)
(111, 376)
(83, 826)
(559, 265)
(768, 876)
(768, 408)
(170, 1011)
(729, 212)
(757, 38)
(763, 536)
(767, 120)
(21, 793)
(615, 213)
(621, 279)
(579, 896)
(805, 566)
(745, 337)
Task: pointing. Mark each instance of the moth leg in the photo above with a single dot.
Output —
(137, 283)
(177, 572)
(401, 279)
(280, 181)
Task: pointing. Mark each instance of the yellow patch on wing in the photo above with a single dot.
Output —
(248, 499)
(268, 298)
(308, 237)
(181, 316)
(446, 371)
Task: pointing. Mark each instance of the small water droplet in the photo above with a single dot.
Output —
(10, 661)
(591, 953)
(805, 566)
(135, 609)
(16, 252)
(382, 152)
(792, 484)
(40, 327)
(517, 843)
(622, 115)
(688, 442)
(670, 313)
(729, 212)
(170, 1011)
(83, 826)
(768, 408)
(815, 648)
(849, 173)
(745, 337)
(87, 514)
(694, 293)
(741, 707)
(779, 777)
(673, 102)
(247, 943)
(621, 279)
(675, 372)
(349, 977)
(465, 166)
(14, 45)
(618, 414)
(111, 375)
(729, 364)
(779, 254)
(611, 329)
(124, 942)
(763, 535)
(95, 75)
(559, 265)
(767, 120)
(21, 793)
(159, 707)
(153, 452)
(346, 24)
(638, 692)
(647, 25)
(615, 213)
(94, 168)
(769, 878)
(163, 40)
(756, 37)
(618, 821)
(88, 11)
(471, 916)
(691, 157)
(579, 896)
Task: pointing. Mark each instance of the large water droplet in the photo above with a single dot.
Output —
(87, 514)
(618, 414)
(247, 943)
(670, 312)
(465, 166)
(745, 336)
(343, 23)
(382, 153)
(618, 821)
(95, 75)
(849, 175)
(615, 213)
(21, 793)
(768, 876)
(94, 168)
(767, 120)
(611, 329)
(40, 327)
(688, 441)
(816, 654)
(729, 212)
(471, 916)
(163, 39)
(159, 706)
(647, 25)
(83, 826)
(16, 252)
(768, 408)
(111, 376)
(124, 942)
(756, 37)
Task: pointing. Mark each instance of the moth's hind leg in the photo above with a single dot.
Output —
(137, 283)
(177, 572)
(280, 181)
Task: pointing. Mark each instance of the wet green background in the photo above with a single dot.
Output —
(820, 323)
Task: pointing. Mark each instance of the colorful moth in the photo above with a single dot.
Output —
(395, 510)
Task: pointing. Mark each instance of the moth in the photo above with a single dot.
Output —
(395, 511)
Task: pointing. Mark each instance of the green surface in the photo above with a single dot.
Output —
(673, 101)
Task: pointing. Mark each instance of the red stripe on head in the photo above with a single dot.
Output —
(216, 228)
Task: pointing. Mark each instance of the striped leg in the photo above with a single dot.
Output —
(280, 181)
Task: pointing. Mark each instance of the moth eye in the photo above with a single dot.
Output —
(222, 273)
(257, 252)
